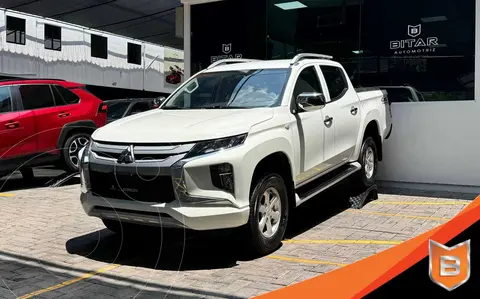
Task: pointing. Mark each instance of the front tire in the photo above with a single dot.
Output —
(269, 210)
(70, 150)
(368, 159)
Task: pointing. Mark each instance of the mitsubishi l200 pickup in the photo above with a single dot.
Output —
(238, 145)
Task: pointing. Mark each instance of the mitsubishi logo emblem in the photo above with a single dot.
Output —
(126, 156)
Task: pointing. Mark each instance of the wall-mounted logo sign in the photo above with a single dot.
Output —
(414, 44)
(226, 49)
(414, 31)
(227, 53)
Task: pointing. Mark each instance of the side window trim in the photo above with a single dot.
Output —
(292, 99)
(323, 83)
(50, 86)
(16, 98)
(345, 89)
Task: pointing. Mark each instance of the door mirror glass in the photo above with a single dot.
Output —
(307, 101)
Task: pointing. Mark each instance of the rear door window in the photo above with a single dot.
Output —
(36, 96)
(336, 82)
(5, 100)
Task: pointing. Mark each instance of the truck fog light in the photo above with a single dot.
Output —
(222, 176)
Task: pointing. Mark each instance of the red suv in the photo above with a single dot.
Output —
(45, 122)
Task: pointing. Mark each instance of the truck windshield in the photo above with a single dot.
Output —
(231, 90)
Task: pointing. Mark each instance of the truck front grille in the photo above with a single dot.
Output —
(132, 187)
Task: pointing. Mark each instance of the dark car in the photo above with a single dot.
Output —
(120, 108)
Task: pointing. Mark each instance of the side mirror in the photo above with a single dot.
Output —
(307, 101)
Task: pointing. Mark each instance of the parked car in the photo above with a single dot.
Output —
(405, 93)
(120, 108)
(238, 145)
(45, 122)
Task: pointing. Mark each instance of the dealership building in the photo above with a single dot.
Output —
(425, 47)
(428, 45)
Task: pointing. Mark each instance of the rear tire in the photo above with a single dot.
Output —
(269, 210)
(368, 159)
(70, 150)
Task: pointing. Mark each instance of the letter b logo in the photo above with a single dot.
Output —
(449, 266)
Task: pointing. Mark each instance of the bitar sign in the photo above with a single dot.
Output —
(227, 53)
(414, 44)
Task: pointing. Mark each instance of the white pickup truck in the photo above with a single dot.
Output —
(238, 145)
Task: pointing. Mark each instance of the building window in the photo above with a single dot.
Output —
(420, 54)
(15, 30)
(420, 50)
(98, 46)
(134, 53)
(53, 37)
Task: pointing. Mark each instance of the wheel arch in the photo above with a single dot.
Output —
(280, 163)
(87, 126)
(372, 129)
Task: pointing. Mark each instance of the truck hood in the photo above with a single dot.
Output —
(181, 126)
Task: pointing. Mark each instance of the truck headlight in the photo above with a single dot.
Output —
(210, 146)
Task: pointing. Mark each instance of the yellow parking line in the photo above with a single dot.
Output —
(399, 215)
(373, 242)
(6, 195)
(304, 261)
(69, 282)
(433, 203)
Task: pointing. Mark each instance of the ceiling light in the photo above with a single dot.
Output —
(434, 19)
(358, 52)
(290, 5)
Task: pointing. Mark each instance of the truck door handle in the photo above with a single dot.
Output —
(327, 119)
(12, 125)
(353, 110)
(63, 114)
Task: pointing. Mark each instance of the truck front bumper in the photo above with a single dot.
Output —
(171, 215)
(164, 190)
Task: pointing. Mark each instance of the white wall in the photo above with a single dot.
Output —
(74, 61)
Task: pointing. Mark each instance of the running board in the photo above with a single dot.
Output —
(323, 183)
